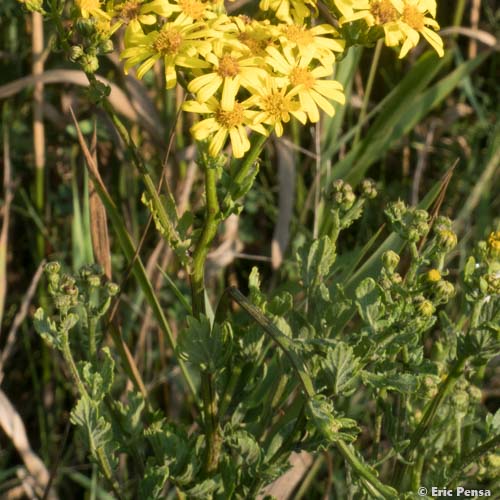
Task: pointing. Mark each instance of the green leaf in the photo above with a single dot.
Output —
(204, 346)
(152, 484)
(317, 260)
(203, 490)
(405, 383)
(245, 447)
(320, 413)
(342, 367)
(47, 329)
(97, 431)
(369, 302)
(99, 381)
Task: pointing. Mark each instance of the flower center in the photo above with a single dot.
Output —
(384, 12)
(192, 8)
(130, 10)
(275, 105)
(168, 42)
(302, 76)
(298, 34)
(228, 66)
(230, 119)
(413, 17)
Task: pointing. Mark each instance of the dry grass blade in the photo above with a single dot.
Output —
(286, 174)
(113, 326)
(98, 219)
(4, 233)
(13, 426)
(20, 316)
(283, 487)
(37, 68)
(480, 35)
(117, 98)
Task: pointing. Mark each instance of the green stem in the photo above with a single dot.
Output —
(229, 389)
(363, 472)
(203, 245)
(473, 456)
(92, 341)
(368, 90)
(425, 423)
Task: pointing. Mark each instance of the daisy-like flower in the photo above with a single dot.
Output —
(289, 10)
(178, 43)
(414, 22)
(275, 105)
(230, 71)
(309, 84)
(134, 14)
(312, 43)
(256, 36)
(223, 123)
(403, 21)
(196, 10)
(91, 8)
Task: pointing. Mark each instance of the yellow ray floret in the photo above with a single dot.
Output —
(223, 123)
(178, 43)
(307, 83)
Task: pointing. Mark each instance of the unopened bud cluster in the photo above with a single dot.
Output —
(410, 223)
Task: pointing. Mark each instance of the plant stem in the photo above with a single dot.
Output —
(363, 472)
(425, 424)
(368, 90)
(474, 455)
(209, 231)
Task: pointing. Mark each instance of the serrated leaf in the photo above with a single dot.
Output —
(405, 383)
(246, 447)
(99, 382)
(317, 260)
(205, 346)
(342, 367)
(320, 413)
(153, 482)
(97, 431)
(204, 489)
(47, 329)
(369, 302)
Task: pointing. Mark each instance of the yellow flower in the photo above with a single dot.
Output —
(275, 104)
(134, 14)
(178, 43)
(230, 70)
(256, 36)
(433, 275)
(414, 22)
(223, 123)
(308, 84)
(403, 21)
(494, 244)
(311, 43)
(289, 10)
(92, 8)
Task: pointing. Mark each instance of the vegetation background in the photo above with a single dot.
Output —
(439, 114)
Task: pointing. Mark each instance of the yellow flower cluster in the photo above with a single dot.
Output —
(403, 21)
(243, 73)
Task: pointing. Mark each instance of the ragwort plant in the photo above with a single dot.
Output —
(268, 375)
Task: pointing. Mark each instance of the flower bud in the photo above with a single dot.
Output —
(426, 308)
(444, 290)
(446, 239)
(90, 63)
(390, 260)
(494, 245)
(430, 386)
(112, 289)
(368, 189)
(52, 268)
(342, 195)
(75, 53)
(94, 281)
(433, 275)
(396, 211)
(475, 393)
(460, 401)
